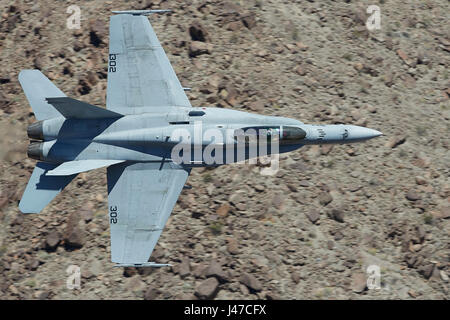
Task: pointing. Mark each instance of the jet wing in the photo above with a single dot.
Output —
(141, 197)
(139, 72)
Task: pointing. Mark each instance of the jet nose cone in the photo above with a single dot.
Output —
(376, 133)
(361, 133)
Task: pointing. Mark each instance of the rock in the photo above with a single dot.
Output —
(256, 106)
(426, 270)
(260, 187)
(198, 32)
(242, 206)
(232, 246)
(248, 19)
(359, 15)
(208, 89)
(151, 293)
(312, 215)
(278, 201)
(443, 275)
(215, 270)
(251, 282)
(295, 276)
(78, 45)
(74, 235)
(326, 149)
(134, 284)
(199, 271)
(83, 88)
(410, 62)
(129, 272)
(409, 81)
(230, 94)
(338, 235)
(262, 53)
(95, 267)
(38, 63)
(52, 240)
(234, 25)
(388, 78)
(4, 102)
(98, 32)
(325, 198)
(330, 245)
(223, 210)
(359, 282)
(158, 254)
(420, 233)
(301, 70)
(3, 195)
(337, 214)
(207, 289)
(87, 214)
(395, 141)
(413, 293)
(292, 187)
(272, 296)
(436, 274)
(44, 295)
(11, 22)
(421, 180)
(32, 264)
(197, 48)
(92, 78)
(413, 260)
(184, 268)
(302, 46)
(413, 195)
(236, 198)
(445, 212)
(304, 183)
(231, 9)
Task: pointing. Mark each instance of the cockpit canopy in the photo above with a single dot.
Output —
(292, 135)
(281, 134)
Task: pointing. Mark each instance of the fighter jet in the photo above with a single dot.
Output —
(147, 117)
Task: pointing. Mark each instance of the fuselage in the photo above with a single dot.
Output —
(153, 136)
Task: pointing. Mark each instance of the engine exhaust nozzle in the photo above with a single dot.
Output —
(35, 149)
(35, 131)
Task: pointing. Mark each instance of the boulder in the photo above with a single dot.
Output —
(207, 289)
(251, 282)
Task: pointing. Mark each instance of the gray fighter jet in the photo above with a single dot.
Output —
(134, 137)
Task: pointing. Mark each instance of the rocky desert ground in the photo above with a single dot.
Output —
(308, 232)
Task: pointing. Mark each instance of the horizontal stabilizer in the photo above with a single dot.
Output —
(37, 87)
(74, 109)
(41, 189)
(73, 167)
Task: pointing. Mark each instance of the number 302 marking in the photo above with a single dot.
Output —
(112, 63)
(113, 214)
